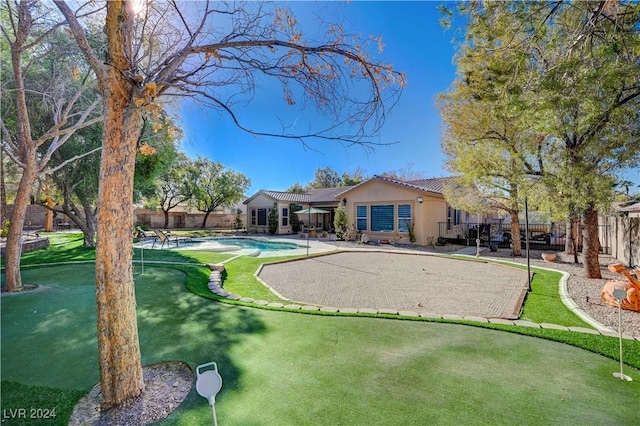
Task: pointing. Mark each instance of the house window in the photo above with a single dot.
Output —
(382, 218)
(453, 215)
(404, 217)
(253, 216)
(361, 218)
(262, 217)
(285, 216)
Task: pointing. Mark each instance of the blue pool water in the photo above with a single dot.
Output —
(249, 243)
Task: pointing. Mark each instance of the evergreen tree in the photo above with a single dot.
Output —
(341, 223)
(273, 219)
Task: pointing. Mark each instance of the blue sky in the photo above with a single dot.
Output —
(415, 44)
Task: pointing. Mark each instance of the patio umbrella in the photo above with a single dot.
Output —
(308, 212)
(311, 210)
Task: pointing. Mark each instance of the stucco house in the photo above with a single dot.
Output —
(381, 207)
(258, 206)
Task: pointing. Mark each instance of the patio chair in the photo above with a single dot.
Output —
(165, 237)
(144, 235)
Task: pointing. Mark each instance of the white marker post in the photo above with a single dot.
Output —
(208, 384)
(620, 293)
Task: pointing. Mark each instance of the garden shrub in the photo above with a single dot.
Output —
(237, 222)
(295, 220)
(340, 223)
(273, 220)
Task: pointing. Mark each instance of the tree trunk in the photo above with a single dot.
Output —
(166, 219)
(590, 243)
(571, 245)
(206, 216)
(29, 158)
(90, 234)
(48, 222)
(118, 344)
(14, 238)
(515, 234)
(3, 192)
(119, 347)
(568, 241)
(86, 221)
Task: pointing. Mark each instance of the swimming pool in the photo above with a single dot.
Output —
(250, 243)
(249, 246)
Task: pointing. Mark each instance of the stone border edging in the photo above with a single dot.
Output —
(219, 291)
(573, 307)
(29, 245)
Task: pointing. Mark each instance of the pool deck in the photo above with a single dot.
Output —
(316, 246)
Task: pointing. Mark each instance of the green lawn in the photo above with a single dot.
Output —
(285, 368)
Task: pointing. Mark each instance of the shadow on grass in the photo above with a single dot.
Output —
(177, 324)
(49, 337)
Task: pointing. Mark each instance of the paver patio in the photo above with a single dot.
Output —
(402, 282)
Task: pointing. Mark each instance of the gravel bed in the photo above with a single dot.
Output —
(585, 292)
(397, 281)
(167, 384)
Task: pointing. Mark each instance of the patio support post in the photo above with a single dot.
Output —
(308, 229)
(526, 239)
(478, 238)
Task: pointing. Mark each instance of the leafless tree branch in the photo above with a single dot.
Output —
(52, 170)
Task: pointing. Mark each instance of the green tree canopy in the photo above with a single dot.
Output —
(213, 186)
(297, 188)
(173, 186)
(571, 74)
(325, 177)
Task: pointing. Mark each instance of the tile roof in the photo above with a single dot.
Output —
(322, 195)
(326, 194)
(286, 196)
(329, 195)
(435, 185)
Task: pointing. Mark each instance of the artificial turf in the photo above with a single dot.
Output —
(283, 368)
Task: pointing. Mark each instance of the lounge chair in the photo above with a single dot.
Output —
(144, 235)
(165, 237)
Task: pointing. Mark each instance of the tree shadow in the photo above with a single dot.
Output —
(176, 324)
(49, 337)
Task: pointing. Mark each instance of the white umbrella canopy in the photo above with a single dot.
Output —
(312, 210)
